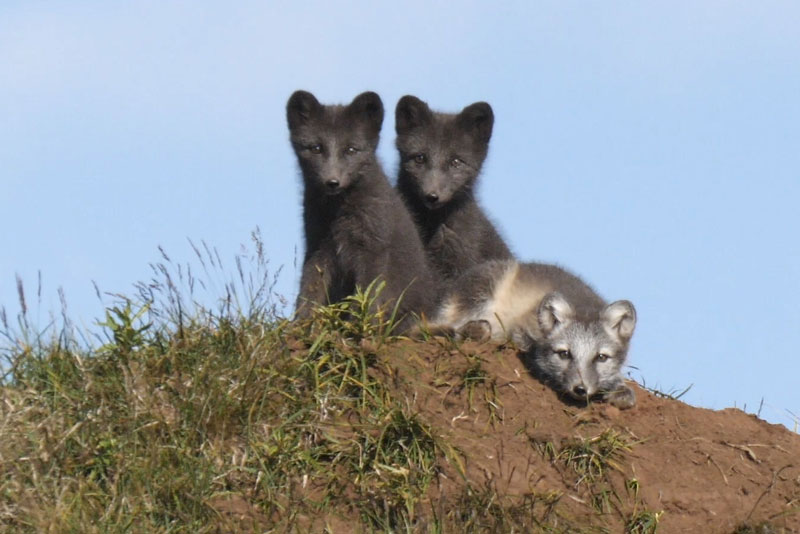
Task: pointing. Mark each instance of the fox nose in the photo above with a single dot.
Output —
(332, 184)
(431, 198)
(579, 390)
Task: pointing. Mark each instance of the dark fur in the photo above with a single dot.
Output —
(356, 226)
(441, 155)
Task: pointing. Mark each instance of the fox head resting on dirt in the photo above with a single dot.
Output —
(581, 356)
(335, 145)
(569, 337)
(441, 154)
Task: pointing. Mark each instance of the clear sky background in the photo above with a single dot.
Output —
(652, 148)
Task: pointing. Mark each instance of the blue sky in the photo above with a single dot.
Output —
(652, 148)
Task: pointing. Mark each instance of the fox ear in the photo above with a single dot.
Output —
(554, 311)
(368, 105)
(410, 113)
(619, 318)
(522, 338)
(301, 107)
(478, 119)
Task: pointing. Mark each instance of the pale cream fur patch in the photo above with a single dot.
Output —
(448, 313)
(513, 304)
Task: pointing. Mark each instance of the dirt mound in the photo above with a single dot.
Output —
(691, 469)
(242, 428)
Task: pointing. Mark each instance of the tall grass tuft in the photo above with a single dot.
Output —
(188, 412)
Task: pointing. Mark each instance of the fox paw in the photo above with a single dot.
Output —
(622, 397)
(479, 330)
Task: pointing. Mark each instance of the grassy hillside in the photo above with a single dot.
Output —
(239, 421)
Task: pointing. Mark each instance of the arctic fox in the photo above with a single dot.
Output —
(441, 155)
(575, 342)
(356, 226)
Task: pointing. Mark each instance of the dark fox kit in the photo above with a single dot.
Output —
(356, 227)
(441, 156)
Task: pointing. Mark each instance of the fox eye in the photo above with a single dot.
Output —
(601, 357)
(564, 354)
(315, 149)
(456, 163)
(420, 158)
(349, 151)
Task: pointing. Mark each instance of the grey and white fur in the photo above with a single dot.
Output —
(441, 155)
(573, 340)
(356, 226)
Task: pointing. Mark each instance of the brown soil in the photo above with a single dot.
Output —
(708, 471)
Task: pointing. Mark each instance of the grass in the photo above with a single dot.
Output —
(481, 510)
(590, 459)
(645, 522)
(157, 426)
(476, 378)
(671, 394)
